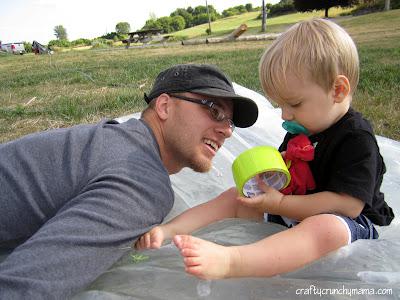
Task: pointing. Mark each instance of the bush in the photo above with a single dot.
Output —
(237, 10)
(81, 42)
(60, 43)
(28, 47)
(56, 49)
(230, 12)
(110, 35)
(99, 43)
(177, 23)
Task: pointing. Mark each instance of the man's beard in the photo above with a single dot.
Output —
(200, 165)
(180, 142)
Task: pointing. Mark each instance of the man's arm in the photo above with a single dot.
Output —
(85, 237)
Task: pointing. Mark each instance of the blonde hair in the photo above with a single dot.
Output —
(317, 49)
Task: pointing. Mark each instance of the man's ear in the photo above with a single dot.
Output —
(341, 88)
(162, 106)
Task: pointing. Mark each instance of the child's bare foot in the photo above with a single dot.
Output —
(205, 259)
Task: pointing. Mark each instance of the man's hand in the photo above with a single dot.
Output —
(151, 239)
(268, 202)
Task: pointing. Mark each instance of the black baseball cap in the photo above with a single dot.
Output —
(205, 80)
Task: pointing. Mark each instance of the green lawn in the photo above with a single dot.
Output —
(274, 25)
(42, 92)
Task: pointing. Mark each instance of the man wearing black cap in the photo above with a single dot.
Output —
(72, 202)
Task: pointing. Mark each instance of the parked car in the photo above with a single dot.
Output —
(38, 48)
(14, 48)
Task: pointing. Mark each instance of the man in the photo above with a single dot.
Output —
(73, 199)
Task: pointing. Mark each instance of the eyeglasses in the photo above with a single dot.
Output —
(217, 113)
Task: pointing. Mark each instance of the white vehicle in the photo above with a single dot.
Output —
(14, 48)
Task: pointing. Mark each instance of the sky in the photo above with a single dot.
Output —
(28, 20)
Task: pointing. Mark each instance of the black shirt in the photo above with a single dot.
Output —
(347, 160)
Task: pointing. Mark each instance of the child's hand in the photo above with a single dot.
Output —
(269, 201)
(151, 239)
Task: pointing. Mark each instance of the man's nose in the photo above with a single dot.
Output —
(225, 128)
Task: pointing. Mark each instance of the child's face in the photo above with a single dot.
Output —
(309, 105)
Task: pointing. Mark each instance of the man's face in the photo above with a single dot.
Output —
(194, 136)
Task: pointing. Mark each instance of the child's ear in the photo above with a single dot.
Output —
(341, 88)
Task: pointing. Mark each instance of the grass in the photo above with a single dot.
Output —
(274, 25)
(42, 92)
(378, 95)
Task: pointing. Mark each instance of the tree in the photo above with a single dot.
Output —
(387, 4)
(201, 9)
(123, 28)
(177, 23)
(237, 10)
(200, 15)
(60, 32)
(152, 24)
(184, 14)
(249, 7)
(165, 24)
(201, 19)
(188, 17)
(230, 12)
(264, 17)
(310, 5)
(283, 7)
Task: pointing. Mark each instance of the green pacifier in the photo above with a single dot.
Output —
(294, 127)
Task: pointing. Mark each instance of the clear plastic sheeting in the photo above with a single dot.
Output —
(361, 270)
(160, 274)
